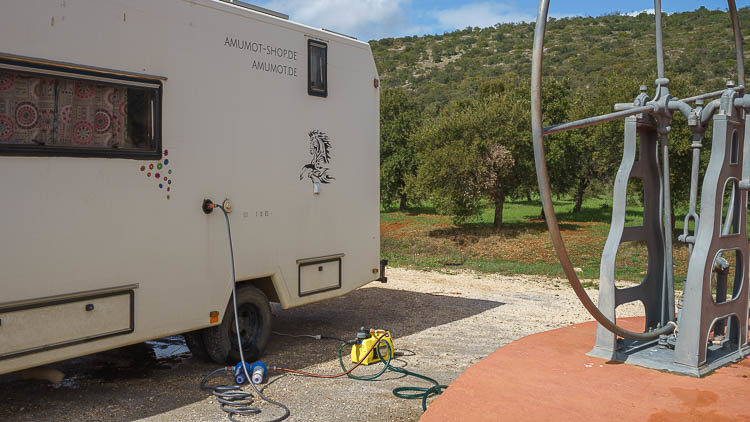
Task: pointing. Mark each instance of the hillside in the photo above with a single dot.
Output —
(438, 68)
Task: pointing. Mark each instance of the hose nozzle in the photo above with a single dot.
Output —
(208, 206)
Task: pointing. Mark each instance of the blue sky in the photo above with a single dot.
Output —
(375, 19)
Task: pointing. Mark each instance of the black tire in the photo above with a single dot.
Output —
(255, 327)
(194, 342)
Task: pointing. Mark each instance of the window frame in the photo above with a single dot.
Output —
(311, 43)
(59, 70)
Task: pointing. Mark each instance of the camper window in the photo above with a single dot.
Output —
(42, 113)
(317, 68)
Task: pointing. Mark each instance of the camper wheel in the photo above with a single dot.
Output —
(254, 311)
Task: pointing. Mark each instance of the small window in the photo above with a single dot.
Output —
(53, 110)
(317, 68)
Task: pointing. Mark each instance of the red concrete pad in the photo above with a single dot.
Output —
(548, 377)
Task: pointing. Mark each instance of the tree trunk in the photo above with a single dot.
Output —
(499, 203)
(582, 185)
(402, 202)
(528, 196)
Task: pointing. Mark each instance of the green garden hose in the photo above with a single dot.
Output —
(401, 392)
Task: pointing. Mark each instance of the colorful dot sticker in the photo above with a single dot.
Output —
(156, 168)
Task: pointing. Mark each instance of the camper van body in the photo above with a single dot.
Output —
(104, 247)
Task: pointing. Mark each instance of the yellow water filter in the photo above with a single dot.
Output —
(359, 349)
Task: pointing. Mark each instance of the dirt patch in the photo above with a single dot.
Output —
(392, 229)
(425, 240)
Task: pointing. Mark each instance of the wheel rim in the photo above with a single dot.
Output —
(250, 322)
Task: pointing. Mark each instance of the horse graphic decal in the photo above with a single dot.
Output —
(320, 149)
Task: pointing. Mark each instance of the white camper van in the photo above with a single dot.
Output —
(119, 118)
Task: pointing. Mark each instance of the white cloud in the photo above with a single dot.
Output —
(482, 14)
(374, 19)
(638, 12)
(364, 19)
(563, 15)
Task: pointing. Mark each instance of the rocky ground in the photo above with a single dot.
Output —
(442, 322)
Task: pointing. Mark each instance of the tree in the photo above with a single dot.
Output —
(475, 149)
(556, 102)
(400, 116)
(597, 150)
(481, 148)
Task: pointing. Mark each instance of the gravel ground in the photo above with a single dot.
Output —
(442, 322)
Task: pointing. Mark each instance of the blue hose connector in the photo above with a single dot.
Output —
(239, 373)
(258, 372)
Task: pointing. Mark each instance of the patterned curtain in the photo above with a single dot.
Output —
(62, 112)
(27, 109)
(91, 115)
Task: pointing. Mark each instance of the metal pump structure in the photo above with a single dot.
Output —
(680, 342)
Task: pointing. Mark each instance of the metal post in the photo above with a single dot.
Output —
(692, 213)
(667, 313)
(737, 42)
(659, 44)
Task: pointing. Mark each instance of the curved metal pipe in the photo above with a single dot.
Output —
(544, 188)
(709, 111)
(683, 107)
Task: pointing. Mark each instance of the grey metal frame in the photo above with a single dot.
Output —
(637, 129)
(700, 310)
(685, 350)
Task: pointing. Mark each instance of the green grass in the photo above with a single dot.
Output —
(420, 238)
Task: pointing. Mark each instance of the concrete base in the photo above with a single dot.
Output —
(548, 376)
(651, 355)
